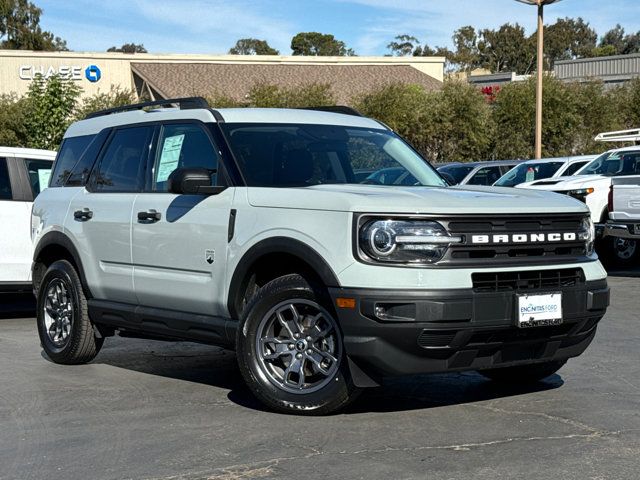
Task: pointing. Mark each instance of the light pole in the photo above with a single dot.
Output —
(540, 4)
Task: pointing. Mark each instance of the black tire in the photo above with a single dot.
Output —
(80, 345)
(333, 392)
(524, 373)
(619, 252)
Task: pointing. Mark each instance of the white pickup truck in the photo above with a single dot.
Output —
(623, 226)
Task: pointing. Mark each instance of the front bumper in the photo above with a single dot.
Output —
(426, 331)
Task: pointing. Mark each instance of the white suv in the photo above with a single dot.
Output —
(248, 228)
(23, 174)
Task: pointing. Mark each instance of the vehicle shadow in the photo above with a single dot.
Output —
(217, 367)
(17, 305)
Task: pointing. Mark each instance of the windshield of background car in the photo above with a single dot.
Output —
(614, 164)
(458, 172)
(528, 172)
(297, 155)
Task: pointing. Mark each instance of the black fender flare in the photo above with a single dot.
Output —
(283, 245)
(61, 240)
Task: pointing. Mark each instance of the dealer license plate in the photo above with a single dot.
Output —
(539, 310)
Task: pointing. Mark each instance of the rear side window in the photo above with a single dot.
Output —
(122, 166)
(5, 184)
(486, 176)
(71, 150)
(39, 172)
(182, 146)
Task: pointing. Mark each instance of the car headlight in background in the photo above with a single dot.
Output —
(588, 235)
(581, 193)
(404, 241)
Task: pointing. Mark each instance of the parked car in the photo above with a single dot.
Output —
(247, 228)
(23, 174)
(533, 170)
(591, 184)
(622, 229)
(476, 173)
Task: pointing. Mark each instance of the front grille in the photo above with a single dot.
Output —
(467, 253)
(527, 280)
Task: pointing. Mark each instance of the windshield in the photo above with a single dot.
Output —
(296, 155)
(528, 172)
(614, 164)
(458, 172)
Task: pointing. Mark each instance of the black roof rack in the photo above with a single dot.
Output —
(182, 103)
(336, 109)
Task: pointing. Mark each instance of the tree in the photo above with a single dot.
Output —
(20, 28)
(618, 43)
(13, 131)
(319, 44)
(273, 96)
(506, 50)
(50, 109)
(466, 55)
(568, 39)
(252, 46)
(129, 48)
(403, 45)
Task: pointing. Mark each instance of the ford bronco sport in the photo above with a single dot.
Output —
(247, 228)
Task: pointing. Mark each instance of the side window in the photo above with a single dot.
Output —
(70, 152)
(182, 146)
(123, 164)
(485, 176)
(5, 184)
(39, 173)
(573, 168)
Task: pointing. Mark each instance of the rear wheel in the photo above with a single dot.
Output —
(523, 373)
(619, 252)
(290, 351)
(66, 333)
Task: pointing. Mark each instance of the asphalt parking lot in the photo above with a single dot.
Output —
(156, 410)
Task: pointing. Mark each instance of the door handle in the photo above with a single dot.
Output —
(83, 215)
(150, 216)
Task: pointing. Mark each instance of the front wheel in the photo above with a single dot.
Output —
(523, 373)
(290, 351)
(66, 333)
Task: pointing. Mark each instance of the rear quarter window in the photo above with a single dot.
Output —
(5, 184)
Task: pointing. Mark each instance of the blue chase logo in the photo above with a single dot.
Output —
(93, 73)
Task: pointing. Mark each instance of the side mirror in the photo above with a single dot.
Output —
(449, 178)
(193, 181)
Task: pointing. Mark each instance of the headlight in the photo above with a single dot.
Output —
(581, 193)
(588, 235)
(404, 241)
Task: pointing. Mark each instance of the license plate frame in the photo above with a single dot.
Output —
(539, 310)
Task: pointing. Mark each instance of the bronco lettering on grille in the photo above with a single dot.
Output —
(525, 238)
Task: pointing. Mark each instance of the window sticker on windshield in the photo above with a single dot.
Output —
(169, 157)
(44, 174)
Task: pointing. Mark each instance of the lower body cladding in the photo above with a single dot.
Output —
(400, 332)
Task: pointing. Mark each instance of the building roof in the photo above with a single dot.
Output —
(171, 80)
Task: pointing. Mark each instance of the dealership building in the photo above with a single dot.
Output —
(171, 76)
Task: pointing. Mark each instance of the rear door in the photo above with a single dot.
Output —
(180, 241)
(15, 244)
(99, 217)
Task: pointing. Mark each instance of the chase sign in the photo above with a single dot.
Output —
(92, 73)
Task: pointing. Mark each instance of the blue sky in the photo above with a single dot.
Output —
(213, 26)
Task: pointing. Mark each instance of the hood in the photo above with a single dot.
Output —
(568, 183)
(426, 200)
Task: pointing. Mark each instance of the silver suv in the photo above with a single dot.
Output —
(249, 228)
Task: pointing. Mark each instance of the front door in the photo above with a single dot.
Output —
(180, 241)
